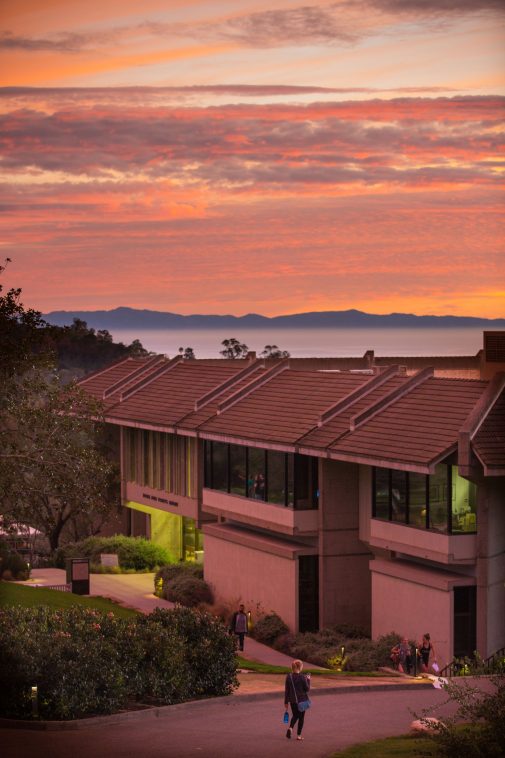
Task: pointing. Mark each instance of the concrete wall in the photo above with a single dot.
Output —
(344, 577)
(253, 577)
(491, 566)
(410, 609)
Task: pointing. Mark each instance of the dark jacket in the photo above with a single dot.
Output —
(299, 683)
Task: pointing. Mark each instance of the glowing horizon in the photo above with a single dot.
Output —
(273, 160)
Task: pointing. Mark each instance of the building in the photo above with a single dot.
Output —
(374, 497)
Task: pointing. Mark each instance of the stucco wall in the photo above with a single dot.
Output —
(412, 610)
(491, 567)
(242, 574)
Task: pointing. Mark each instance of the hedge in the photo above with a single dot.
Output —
(86, 662)
(134, 553)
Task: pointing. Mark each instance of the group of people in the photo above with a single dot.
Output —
(402, 657)
(297, 684)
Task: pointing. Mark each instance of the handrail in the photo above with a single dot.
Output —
(457, 665)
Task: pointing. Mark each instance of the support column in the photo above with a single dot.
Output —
(345, 583)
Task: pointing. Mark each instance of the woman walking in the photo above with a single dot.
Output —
(296, 694)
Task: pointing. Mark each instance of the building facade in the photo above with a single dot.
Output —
(373, 497)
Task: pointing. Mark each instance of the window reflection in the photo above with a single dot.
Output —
(280, 478)
(442, 501)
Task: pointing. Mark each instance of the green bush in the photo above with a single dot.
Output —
(268, 628)
(86, 662)
(134, 553)
(188, 590)
(12, 565)
(167, 574)
(483, 714)
(360, 653)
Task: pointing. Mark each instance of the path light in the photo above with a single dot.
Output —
(35, 702)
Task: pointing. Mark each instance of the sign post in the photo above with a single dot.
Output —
(78, 575)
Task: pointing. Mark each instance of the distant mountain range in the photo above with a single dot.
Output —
(132, 318)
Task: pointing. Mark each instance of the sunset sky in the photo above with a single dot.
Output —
(251, 156)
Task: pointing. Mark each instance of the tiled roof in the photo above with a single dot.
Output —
(489, 442)
(98, 382)
(394, 420)
(284, 409)
(419, 428)
(172, 395)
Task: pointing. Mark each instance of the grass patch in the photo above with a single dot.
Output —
(392, 747)
(29, 597)
(266, 668)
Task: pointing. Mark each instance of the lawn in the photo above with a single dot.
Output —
(266, 668)
(28, 597)
(392, 747)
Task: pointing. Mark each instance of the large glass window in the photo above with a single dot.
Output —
(219, 466)
(238, 470)
(442, 501)
(399, 496)
(463, 504)
(438, 484)
(280, 478)
(257, 472)
(381, 493)
(276, 492)
(417, 499)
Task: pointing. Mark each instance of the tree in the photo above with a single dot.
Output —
(272, 351)
(187, 353)
(51, 469)
(21, 335)
(234, 349)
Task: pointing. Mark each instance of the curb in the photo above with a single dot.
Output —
(166, 710)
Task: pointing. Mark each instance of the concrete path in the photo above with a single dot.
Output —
(235, 728)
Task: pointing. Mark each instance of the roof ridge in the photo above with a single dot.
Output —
(144, 381)
(258, 382)
(99, 371)
(476, 418)
(213, 393)
(357, 394)
(380, 405)
(138, 372)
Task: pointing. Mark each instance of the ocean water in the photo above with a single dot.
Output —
(302, 343)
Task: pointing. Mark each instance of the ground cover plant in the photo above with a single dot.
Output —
(84, 661)
(134, 553)
(342, 647)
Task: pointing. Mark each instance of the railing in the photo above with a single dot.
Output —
(467, 666)
(59, 587)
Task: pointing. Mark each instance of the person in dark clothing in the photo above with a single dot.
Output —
(426, 650)
(295, 691)
(238, 625)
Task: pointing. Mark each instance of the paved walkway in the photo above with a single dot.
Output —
(235, 728)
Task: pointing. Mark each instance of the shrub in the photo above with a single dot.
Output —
(483, 712)
(268, 628)
(188, 590)
(167, 574)
(134, 553)
(12, 565)
(86, 662)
